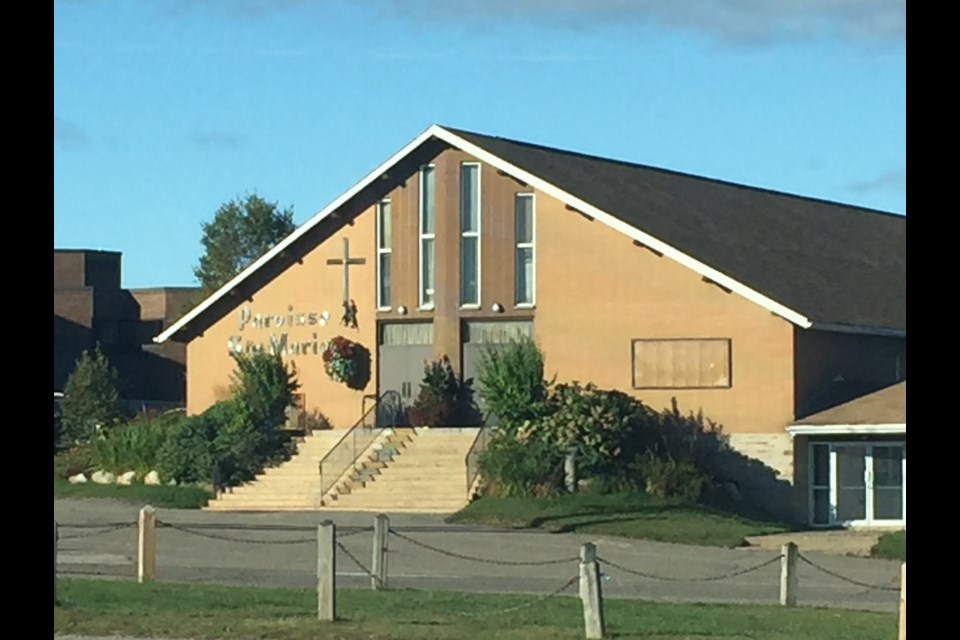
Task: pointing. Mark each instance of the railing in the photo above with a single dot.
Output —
(382, 415)
(476, 450)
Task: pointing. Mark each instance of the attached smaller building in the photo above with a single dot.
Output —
(853, 460)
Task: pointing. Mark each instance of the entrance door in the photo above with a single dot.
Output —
(858, 483)
(403, 348)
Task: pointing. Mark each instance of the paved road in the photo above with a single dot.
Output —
(188, 557)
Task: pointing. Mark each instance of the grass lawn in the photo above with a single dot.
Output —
(892, 546)
(633, 515)
(158, 496)
(213, 612)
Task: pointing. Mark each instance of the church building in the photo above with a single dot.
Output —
(762, 309)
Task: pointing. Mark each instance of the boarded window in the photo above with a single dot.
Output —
(681, 363)
(406, 333)
(497, 332)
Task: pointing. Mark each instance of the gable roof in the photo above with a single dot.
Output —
(886, 406)
(815, 263)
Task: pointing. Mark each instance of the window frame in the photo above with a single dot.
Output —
(422, 304)
(477, 304)
(381, 251)
(532, 245)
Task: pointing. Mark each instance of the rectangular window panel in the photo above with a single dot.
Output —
(524, 210)
(469, 198)
(525, 275)
(385, 283)
(427, 202)
(427, 278)
(469, 270)
(681, 363)
(384, 221)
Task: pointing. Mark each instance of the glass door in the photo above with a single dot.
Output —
(850, 493)
(858, 483)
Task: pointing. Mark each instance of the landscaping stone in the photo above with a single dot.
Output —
(126, 478)
(152, 478)
(77, 479)
(103, 477)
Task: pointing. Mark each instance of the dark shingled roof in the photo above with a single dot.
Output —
(833, 263)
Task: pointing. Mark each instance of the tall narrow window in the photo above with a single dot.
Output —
(469, 235)
(428, 220)
(383, 255)
(525, 267)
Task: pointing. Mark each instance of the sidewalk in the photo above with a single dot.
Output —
(845, 543)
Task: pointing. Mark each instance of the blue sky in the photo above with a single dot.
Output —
(165, 109)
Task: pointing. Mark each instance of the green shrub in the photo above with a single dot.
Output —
(606, 429)
(187, 453)
(510, 379)
(668, 478)
(265, 387)
(131, 447)
(73, 461)
(91, 401)
(444, 400)
(512, 468)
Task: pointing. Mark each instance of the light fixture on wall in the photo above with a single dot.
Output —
(402, 310)
(496, 307)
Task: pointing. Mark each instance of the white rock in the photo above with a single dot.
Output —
(152, 478)
(77, 479)
(126, 478)
(103, 477)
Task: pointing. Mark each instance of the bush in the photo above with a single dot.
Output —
(186, 456)
(73, 461)
(443, 399)
(512, 468)
(265, 387)
(134, 446)
(90, 398)
(668, 478)
(606, 429)
(510, 379)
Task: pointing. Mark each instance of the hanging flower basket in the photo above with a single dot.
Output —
(340, 359)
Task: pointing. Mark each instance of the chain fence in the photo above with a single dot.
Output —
(526, 605)
(714, 578)
(462, 556)
(240, 534)
(868, 587)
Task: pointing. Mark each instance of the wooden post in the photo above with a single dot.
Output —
(381, 531)
(789, 580)
(56, 540)
(903, 602)
(327, 571)
(570, 471)
(590, 592)
(147, 545)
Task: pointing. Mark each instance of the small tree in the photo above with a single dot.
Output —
(241, 231)
(265, 387)
(510, 380)
(90, 398)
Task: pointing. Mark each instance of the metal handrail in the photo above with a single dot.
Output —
(348, 449)
(472, 460)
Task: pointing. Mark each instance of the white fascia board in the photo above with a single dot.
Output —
(297, 233)
(624, 228)
(846, 429)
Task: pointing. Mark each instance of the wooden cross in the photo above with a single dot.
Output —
(346, 261)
